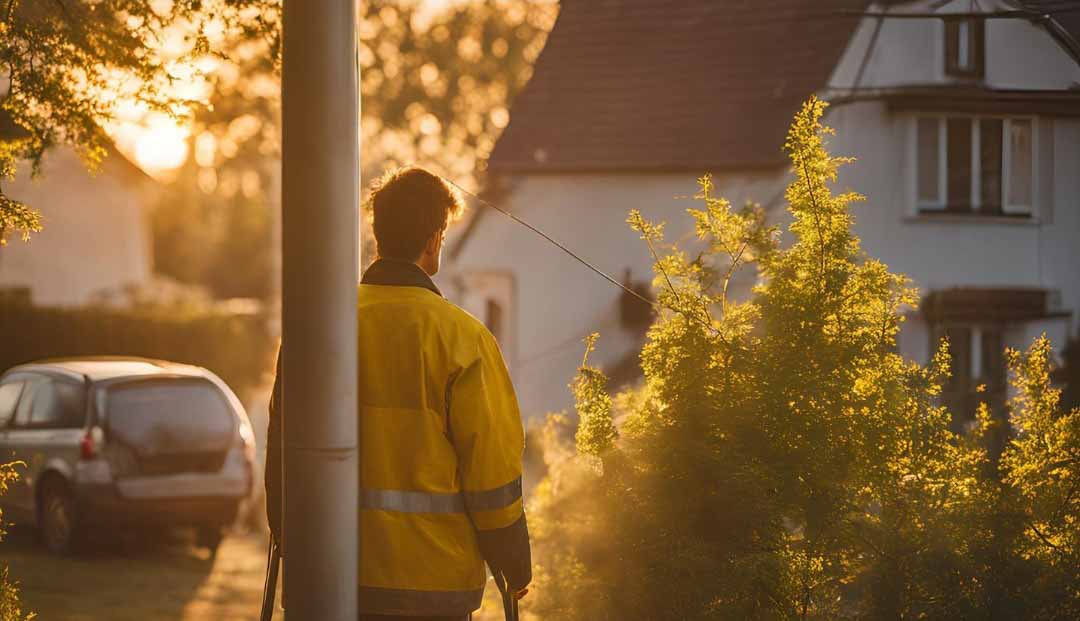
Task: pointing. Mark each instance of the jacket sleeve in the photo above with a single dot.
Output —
(272, 480)
(485, 427)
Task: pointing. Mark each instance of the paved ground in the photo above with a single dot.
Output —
(140, 580)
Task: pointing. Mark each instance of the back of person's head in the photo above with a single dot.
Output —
(409, 205)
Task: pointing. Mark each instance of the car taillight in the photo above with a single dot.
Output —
(87, 447)
(91, 441)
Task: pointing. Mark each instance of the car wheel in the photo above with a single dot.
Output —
(209, 537)
(59, 518)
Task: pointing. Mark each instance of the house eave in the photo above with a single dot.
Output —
(635, 169)
(966, 99)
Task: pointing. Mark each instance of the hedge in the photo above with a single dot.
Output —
(236, 347)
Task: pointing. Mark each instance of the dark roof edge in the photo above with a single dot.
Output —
(947, 97)
(1063, 37)
(635, 170)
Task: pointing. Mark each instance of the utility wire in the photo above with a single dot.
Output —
(556, 243)
(656, 305)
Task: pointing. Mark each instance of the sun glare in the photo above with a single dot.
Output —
(162, 146)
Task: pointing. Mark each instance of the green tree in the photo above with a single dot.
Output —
(783, 461)
(68, 64)
(10, 608)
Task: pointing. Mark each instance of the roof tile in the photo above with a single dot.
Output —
(635, 85)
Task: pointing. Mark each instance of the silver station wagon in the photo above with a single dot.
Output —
(123, 443)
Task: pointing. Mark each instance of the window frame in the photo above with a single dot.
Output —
(942, 206)
(976, 48)
(1007, 207)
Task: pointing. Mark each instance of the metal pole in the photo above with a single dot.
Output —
(320, 210)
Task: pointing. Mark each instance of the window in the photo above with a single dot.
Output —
(965, 49)
(1020, 165)
(978, 361)
(930, 160)
(59, 404)
(52, 404)
(493, 319)
(489, 296)
(977, 357)
(975, 165)
(9, 397)
(170, 416)
(26, 401)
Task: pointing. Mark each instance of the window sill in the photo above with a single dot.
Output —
(972, 218)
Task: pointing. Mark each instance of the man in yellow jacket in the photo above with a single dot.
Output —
(441, 439)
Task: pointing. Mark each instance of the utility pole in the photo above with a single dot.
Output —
(320, 248)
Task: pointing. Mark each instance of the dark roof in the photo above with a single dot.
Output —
(636, 85)
(104, 368)
(1066, 21)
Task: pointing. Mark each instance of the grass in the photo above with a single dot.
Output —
(150, 581)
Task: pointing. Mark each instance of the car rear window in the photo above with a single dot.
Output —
(169, 416)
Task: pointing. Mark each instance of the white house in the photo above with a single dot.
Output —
(96, 235)
(965, 117)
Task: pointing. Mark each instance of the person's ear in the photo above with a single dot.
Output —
(434, 244)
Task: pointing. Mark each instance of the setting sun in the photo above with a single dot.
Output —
(161, 146)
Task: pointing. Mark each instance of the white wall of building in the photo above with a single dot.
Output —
(558, 301)
(1019, 54)
(940, 252)
(96, 230)
(963, 251)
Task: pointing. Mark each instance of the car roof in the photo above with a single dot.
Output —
(107, 368)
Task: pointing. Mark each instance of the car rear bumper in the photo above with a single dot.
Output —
(102, 505)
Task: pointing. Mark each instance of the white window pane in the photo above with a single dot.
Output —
(928, 153)
(1020, 163)
(963, 53)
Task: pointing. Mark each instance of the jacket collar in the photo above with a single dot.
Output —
(397, 273)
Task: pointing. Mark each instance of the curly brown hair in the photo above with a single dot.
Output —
(409, 205)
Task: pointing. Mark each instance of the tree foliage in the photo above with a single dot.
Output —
(69, 64)
(435, 89)
(10, 608)
(783, 461)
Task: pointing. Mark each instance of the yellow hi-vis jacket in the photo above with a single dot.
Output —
(441, 445)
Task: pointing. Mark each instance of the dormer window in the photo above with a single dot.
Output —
(965, 48)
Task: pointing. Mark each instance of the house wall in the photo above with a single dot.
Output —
(557, 300)
(1019, 54)
(96, 230)
(941, 252)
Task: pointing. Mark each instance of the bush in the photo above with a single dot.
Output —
(236, 347)
(783, 461)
